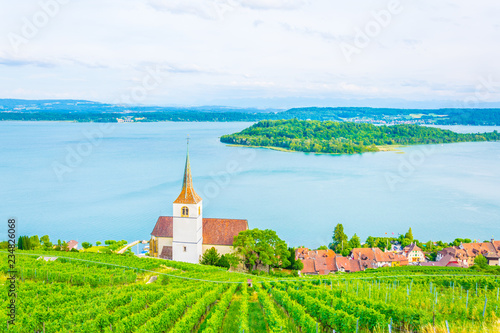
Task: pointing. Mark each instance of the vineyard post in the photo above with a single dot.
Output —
(467, 300)
(357, 325)
(485, 302)
(44, 327)
(447, 328)
(390, 328)
(476, 289)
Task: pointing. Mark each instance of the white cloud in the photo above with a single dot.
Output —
(233, 50)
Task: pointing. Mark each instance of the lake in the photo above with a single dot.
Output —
(90, 182)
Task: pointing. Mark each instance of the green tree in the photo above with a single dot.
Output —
(210, 257)
(97, 243)
(35, 242)
(371, 241)
(261, 247)
(24, 243)
(297, 264)
(232, 259)
(223, 262)
(355, 242)
(86, 245)
(45, 239)
(339, 239)
(322, 247)
(406, 242)
(409, 235)
(481, 261)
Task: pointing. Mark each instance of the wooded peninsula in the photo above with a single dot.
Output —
(343, 137)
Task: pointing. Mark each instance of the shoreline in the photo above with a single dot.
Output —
(381, 149)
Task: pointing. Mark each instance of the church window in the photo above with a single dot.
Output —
(185, 249)
(184, 211)
(199, 210)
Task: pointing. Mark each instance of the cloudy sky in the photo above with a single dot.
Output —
(264, 53)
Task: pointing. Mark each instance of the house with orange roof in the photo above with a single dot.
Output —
(414, 253)
(465, 254)
(317, 262)
(186, 235)
(321, 262)
(375, 257)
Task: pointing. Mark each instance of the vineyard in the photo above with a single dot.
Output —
(90, 292)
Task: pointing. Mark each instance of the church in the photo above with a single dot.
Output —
(186, 235)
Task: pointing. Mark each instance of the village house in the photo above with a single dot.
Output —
(380, 258)
(414, 254)
(465, 254)
(186, 235)
(321, 262)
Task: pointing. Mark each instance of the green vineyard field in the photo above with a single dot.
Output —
(91, 292)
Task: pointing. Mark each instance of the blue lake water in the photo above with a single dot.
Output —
(65, 180)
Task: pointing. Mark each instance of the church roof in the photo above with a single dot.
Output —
(188, 195)
(215, 231)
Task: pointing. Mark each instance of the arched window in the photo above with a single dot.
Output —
(185, 211)
(199, 210)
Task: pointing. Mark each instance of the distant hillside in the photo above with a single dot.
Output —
(88, 111)
(343, 137)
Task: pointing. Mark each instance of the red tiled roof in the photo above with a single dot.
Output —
(164, 227)
(215, 231)
(308, 266)
(330, 263)
(222, 231)
(343, 262)
(72, 244)
(412, 247)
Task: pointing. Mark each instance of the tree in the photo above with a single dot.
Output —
(382, 244)
(339, 239)
(35, 242)
(355, 242)
(406, 242)
(481, 261)
(24, 243)
(261, 247)
(232, 259)
(86, 245)
(45, 239)
(223, 262)
(409, 235)
(210, 257)
(371, 241)
(322, 247)
(296, 264)
(97, 243)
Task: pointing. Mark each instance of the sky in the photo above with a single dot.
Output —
(253, 53)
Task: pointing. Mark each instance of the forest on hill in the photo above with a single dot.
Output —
(343, 137)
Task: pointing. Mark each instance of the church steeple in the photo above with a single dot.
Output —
(188, 194)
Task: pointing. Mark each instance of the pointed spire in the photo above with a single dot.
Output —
(188, 194)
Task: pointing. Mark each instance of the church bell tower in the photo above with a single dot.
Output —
(187, 221)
